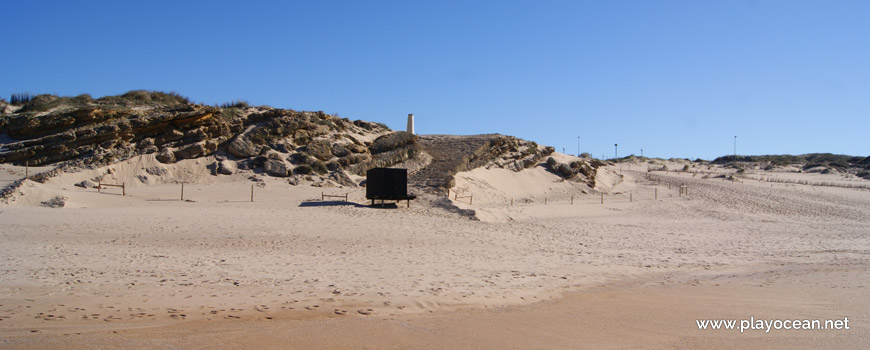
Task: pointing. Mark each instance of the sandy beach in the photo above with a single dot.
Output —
(288, 270)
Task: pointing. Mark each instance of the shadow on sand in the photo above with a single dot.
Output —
(317, 203)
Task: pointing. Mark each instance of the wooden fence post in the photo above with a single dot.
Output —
(123, 189)
(629, 197)
(657, 193)
(602, 197)
(99, 185)
(252, 193)
(572, 199)
(182, 191)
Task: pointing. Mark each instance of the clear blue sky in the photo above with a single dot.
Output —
(676, 78)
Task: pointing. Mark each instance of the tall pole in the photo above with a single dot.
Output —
(735, 146)
(615, 151)
(641, 152)
(578, 146)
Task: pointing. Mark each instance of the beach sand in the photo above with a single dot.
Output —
(288, 270)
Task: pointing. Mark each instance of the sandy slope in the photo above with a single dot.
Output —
(134, 264)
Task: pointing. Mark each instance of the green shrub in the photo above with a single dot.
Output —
(234, 104)
(145, 98)
(383, 126)
(41, 103)
(303, 169)
(319, 166)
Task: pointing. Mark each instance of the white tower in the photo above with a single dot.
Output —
(411, 123)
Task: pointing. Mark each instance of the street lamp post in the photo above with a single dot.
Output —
(578, 146)
(615, 151)
(735, 146)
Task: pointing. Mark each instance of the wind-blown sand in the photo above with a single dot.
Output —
(289, 271)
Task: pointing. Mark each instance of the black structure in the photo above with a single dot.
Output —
(388, 184)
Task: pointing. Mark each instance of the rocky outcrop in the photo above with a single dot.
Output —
(320, 149)
(225, 167)
(386, 151)
(102, 135)
(583, 170)
(276, 167)
(81, 132)
(241, 147)
(51, 130)
(56, 202)
(452, 154)
(393, 141)
(86, 184)
(339, 150)
(166, 156)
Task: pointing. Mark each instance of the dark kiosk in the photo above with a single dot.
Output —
(388, 184)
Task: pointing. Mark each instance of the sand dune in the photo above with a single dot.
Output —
(219, 270)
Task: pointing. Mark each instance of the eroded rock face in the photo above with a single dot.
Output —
(392, 141)
(565, 170)
(455, 153)
(69, 133)
(76, 133)
(166, 156)
(226, 167)
(241, 147)
(276, 167)
(339, 150)
(85, 131)
(341, 178)
(578, 170)
(319, 149)
(387, 150)
(192, 151)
